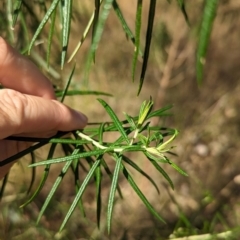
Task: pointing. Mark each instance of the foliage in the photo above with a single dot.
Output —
(89, 145)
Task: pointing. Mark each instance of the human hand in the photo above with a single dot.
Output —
(28, 106)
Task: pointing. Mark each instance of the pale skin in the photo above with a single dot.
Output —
(27, 105)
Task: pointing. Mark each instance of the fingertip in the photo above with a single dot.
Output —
(83, 118)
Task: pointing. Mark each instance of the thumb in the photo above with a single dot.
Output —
(23, 114)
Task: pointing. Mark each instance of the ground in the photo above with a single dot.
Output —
(207, 146)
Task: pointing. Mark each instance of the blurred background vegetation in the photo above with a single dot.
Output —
(208, 118)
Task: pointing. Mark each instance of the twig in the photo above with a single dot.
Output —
(209, 236)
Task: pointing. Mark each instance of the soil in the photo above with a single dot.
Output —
(207, 116)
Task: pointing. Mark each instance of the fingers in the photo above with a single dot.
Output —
(19, 73)
(26, 114)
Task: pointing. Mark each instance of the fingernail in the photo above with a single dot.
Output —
(83, 117)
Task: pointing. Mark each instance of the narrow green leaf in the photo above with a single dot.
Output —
(137, 168)
(145, 109)
(43, 22)
(138, 23)
(123, 21)
(55, 186)
(53, 190)
(130, 121)
(28, 150)
(69, 158)
(162, 146)
(79, 92)
(68, 83)
(115, 119)
(9, 19)
(85, 33)
(109, 173)
(79, 194)
(16, 11)
(141, 195)
(156, 165)
(39, 188)
(209, 14)
(156, 159)
(25, 33)
(151, 16)
(33, 160)
(98, 34)
(95, 21)
(160, 112)
(49, 140)
(178, 168)
(74, 167)
(113, 190)
(101, 130)
(66, 25)
(50, 36)
(124, 24)
(44, 178)
(4, 183)
(98, 175)
(181, 4)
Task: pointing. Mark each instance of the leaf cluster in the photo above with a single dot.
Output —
(89, 145)
(57, 13)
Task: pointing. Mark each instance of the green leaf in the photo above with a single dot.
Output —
(9, 21)
(33, 160)
(130, 121)
(50, 37)
(79, 194)
(4, 183)
(66, 25)
(141, 195)
(137, 168)
(44, 178)
(98, 175)
(160, 112)
(55, 186)
(178, 168)
(79, 92)
(28, 150)
(101, 131)
(165, 175)
(109, 173)
(16, 11)
(138, 23)
(98, 34)
(74, 167)
(181, 4)
(43, 22)
(115, 119)
(70, 158)
(124, 24)
(53, 189)
(68, 83)
(204, 36)
(151, 16)
(156, 159)
(162, 146)
(145, 109)
(113, 190)
(95, 21)
(85, 33)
